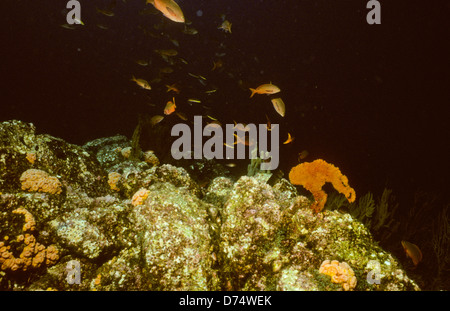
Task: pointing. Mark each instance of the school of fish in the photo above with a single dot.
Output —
(167, 11)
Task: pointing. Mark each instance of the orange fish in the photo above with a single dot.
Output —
(289, 140)
(170, 107)
(169, 8)
(278, 104)
(412, 251)
(265, 89)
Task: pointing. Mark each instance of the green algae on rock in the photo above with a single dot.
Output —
(232, 235)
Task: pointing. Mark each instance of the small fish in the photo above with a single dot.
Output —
(105, 12)
(156, 119)
(302, 155)
(210, 91)
(193, 75)
(212, 118)
(190, 31)
(172, 88)
(102, 26)
(279, 106)
(193, 100)
(170, 9)
(289, 140)
(142, 62)
(265, 89)
(230, 164)
(166, 70)
(181, 115)
(175, 42)
(169, 52)
(226, 26)
(228, 146)
(68, 26)
(217, 64)
(170, 107)
(183, 61)
(78, 21)
(412, 251)
(142, 83)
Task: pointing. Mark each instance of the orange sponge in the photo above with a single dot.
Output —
(313, 175)
(339, 272)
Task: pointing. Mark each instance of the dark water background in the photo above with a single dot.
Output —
(371, 99)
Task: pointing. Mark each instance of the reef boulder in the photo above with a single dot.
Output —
(152, 226)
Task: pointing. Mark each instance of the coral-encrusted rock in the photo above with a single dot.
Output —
(251, 237)
(174, 238)
(107, 150)
(91, 232)
(71, 164)
(170, 235)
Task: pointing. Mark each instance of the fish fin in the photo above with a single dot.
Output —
(253, 92)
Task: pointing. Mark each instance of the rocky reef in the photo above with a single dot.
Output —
(98, 220)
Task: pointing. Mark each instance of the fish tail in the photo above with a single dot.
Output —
(253, 92)
(133, 78)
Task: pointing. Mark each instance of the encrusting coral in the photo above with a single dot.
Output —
(38, 180)
(313, 175)
(30, 223)
(340, 273)
(139, 197)
(113, 179)
(33, 255)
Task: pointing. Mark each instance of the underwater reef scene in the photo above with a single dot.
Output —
(120, 122)
(138, 224)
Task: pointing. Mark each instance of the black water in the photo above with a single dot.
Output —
(371, 99)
